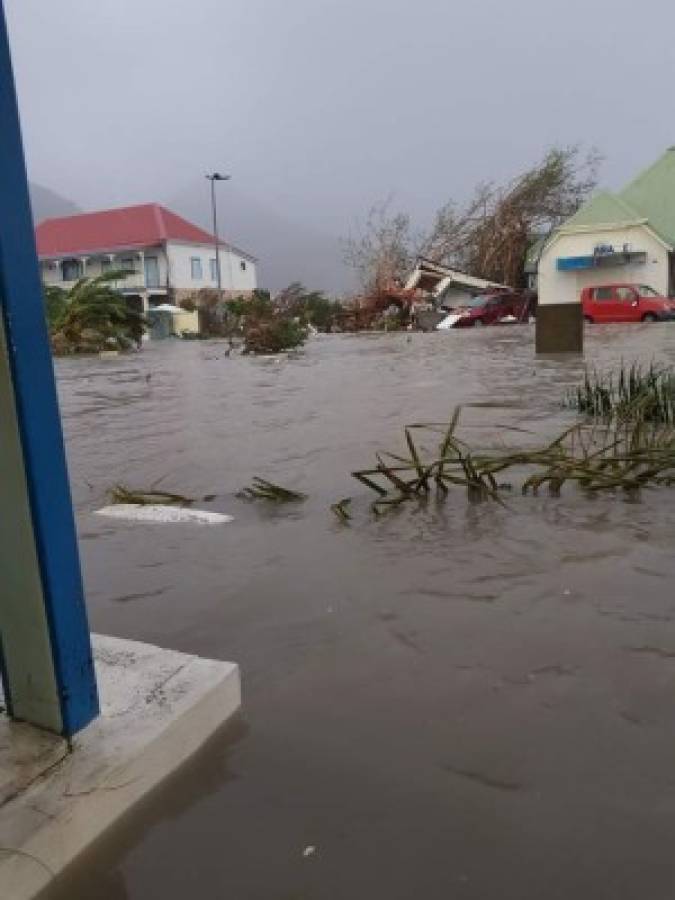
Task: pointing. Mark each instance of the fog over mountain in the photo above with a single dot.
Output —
(48, 204)
(287, 251)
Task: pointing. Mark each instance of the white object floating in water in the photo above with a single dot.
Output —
(164, 515)
(448, 322)
(309, 851)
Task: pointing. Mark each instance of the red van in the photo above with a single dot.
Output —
(625, 303)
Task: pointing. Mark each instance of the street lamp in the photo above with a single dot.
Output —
(216, 176)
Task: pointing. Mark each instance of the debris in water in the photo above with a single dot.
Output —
(164, 515)
(308, 851)
(341, 511)
(265, 490)
(119, 493)
(625, 455)
(483, 779)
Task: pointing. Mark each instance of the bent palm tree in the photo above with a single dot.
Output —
(92, 315)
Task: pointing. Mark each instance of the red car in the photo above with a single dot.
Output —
(625, 303)
(489, 309)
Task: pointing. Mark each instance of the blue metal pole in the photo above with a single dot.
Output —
(47, 658)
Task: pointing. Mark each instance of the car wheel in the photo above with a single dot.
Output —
(588, 320)
(649, 317)
(477, 322)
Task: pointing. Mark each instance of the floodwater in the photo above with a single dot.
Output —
(456, 701)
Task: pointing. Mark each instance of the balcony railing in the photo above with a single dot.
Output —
(136, 281)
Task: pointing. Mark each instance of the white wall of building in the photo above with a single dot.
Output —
(565, 287)
(237, 272)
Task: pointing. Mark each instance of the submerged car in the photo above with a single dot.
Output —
(625, 303)
(489, 309)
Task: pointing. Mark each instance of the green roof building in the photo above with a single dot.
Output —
(626, 237)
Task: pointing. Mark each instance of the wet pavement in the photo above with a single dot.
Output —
(456, 701)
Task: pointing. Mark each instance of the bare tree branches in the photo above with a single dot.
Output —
(489, 236)
(383, 251)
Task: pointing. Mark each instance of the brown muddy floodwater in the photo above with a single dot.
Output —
(455, 702)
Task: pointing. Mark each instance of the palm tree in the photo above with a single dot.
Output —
(92, 315)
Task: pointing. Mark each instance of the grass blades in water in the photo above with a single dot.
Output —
(597, 456)
(261, 489)
(120, 493)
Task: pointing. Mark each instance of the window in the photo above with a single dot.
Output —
(196, 268)
(71, 269)
(213, 264)
(604, 293)
(128, 264)
(242, 265)
(625, 294)
(106, 264)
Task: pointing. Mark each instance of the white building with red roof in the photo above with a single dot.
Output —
(168, 258)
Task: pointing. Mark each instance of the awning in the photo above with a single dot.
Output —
(600, 260)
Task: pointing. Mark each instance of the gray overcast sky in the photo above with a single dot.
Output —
(321, 107)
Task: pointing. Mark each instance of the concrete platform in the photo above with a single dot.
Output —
(158, 708)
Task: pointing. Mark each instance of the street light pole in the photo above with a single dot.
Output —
(216, 176)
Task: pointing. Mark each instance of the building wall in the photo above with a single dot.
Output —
(236, 278)
(565, 287)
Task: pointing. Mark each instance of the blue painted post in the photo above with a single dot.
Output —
(45, 646)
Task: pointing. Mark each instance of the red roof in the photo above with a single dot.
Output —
(131, 226)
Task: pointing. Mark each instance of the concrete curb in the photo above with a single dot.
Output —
(158, 708)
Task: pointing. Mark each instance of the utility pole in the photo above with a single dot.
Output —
(216, 176)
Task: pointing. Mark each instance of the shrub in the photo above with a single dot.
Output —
(272, 335)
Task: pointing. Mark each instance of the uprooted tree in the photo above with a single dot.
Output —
(488, 236)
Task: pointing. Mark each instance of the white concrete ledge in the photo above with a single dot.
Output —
(158, 708)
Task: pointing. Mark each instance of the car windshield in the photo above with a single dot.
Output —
(476, 302)
(646, 291)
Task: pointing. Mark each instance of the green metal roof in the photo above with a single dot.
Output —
(604, 209)
(652, 195)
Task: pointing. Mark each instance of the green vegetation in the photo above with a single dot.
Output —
(266, 324)
(635, 394)
(341, 510)
(266, 490)
(597, 457)
(272, 325)
(266, 328)
(92, 316)
(308, 307)
(119, 493)
(272, 335)
(56, 304)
